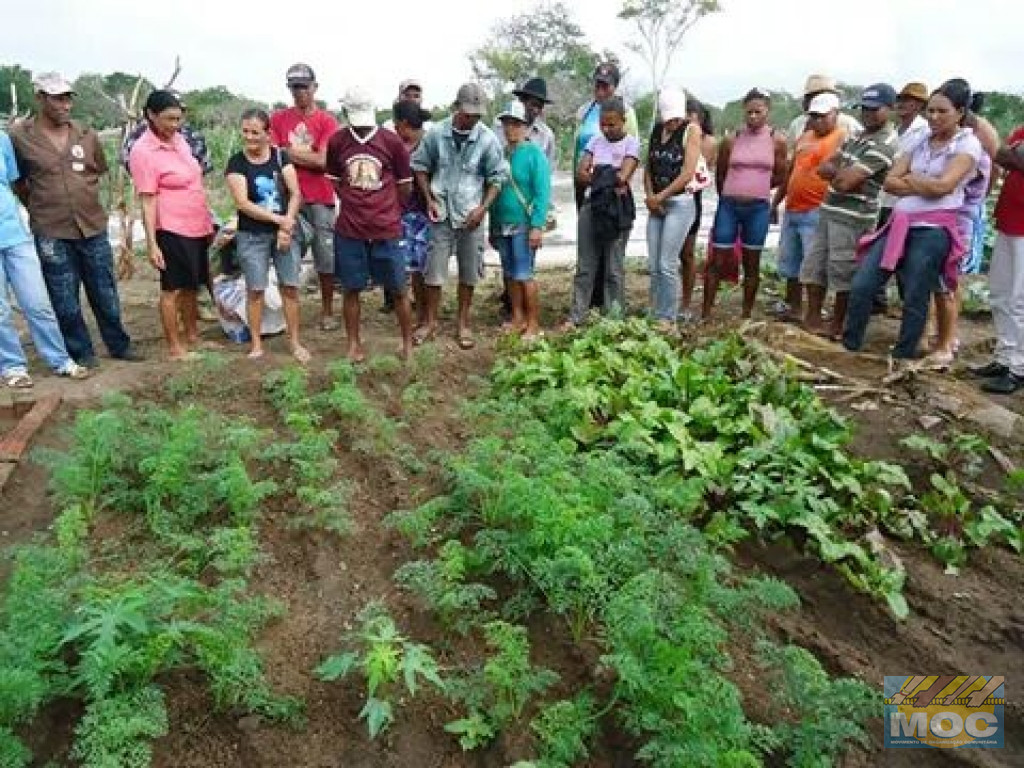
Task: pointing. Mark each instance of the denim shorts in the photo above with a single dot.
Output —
(256, 250)
(319, 234)
(795, 242)
(357, 262)
(747, 220)
(517, 258)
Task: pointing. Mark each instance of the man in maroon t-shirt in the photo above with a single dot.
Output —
(1004, 375)
(303, 130)
(373, 180)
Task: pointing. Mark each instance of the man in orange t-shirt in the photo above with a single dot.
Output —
(804, 192)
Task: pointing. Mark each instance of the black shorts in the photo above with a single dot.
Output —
(186, 261)
(697, 210)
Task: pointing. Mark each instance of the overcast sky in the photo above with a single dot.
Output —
(247, 46)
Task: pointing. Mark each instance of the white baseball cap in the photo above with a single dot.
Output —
(823, 103)
(359, 109)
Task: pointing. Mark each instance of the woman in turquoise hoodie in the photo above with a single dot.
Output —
(518, 217)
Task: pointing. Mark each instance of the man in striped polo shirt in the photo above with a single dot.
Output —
(855, 174)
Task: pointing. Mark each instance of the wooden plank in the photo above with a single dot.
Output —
(15, 443)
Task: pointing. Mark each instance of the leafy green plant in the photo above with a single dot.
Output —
(563, 730)
(116, 732)
(442, 585)
(387, 661)
(823, 716)
(771, 457)
(496, 693)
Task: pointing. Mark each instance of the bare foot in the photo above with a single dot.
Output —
(356, 353)
(256, 354)
(567, 326)
(301, 354)
(182, 356)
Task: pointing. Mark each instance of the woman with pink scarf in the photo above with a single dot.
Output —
(923, 240)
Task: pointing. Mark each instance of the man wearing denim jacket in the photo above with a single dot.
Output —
(459, 169)
(62, 162)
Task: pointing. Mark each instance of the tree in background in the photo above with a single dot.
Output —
(661, 26)
(16, 96)
(547, 42)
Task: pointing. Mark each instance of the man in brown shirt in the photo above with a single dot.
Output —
(61, 162)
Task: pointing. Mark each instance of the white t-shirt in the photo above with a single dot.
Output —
(907, 140)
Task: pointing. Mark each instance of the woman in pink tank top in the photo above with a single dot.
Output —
(750, 165)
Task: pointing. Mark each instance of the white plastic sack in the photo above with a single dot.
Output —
(230, 295)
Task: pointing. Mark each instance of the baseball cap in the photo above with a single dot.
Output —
(471, 99)
(607, 73)
(52, 84)
(359, 109)
(407, 84)
(514, 110)
(823, 103)
(819, 84)
(878, 95)
(915, 90)
(300, 74)
(672, 105)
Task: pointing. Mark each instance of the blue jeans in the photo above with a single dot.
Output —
(517, 259)
(665, 237)
(795, 241)
(67, 265)
(920, 274)
(19, 269)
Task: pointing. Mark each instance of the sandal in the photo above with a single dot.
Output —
(422, 335)
(465, 341)
(18, 380)
(74, 371)
(301, 354)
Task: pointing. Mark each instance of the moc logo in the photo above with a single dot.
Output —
(944, 711)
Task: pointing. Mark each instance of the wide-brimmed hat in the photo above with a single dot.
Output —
(915, 90)
(535, 87)
(819, 84)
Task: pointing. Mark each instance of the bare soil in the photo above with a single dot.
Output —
(971, 623)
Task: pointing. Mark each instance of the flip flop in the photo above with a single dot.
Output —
(422, 335)
(256, 355)
(465, 342)
(301, 355)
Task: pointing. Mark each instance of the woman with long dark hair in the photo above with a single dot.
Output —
(923, 240)
(176, 218)
(697, 114)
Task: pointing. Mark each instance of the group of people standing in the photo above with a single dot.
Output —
(866, 200)
(901, 191)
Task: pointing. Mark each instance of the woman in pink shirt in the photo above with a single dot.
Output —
(176, 217)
